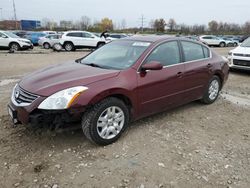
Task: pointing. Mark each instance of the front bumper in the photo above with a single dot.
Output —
(242, 63)
(30, 114)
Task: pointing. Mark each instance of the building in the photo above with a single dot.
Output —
(10, 25)
(30, 24)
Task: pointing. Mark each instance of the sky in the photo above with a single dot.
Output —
(183, 11)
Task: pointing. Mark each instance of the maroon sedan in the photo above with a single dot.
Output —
(120, 82)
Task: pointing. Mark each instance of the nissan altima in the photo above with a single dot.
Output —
(120, 82)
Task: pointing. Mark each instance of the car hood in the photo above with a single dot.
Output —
(242, 50)
(50, 80)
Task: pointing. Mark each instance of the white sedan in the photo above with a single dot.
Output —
(239, 58)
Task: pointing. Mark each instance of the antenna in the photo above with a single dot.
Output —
(142, 20)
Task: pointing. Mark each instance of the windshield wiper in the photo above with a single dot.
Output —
(93, 65)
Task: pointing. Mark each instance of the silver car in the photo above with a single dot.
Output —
(49, 40)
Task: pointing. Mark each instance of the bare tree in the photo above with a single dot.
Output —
(159, 25)
(123, 24)
(213, 26)
(85, 23)
(171, 24)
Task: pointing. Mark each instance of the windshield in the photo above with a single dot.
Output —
(11, 34)
(246, 43)
(117, 55)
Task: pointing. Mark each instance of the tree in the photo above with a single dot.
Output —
(159, 25)
(106, 24)
(123, 24)
(213, 26)
(171, 24)
(246, 28)
(66, 24)
(85, 23)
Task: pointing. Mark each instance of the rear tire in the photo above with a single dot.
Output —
(222, 44)
(14, 47)
(100, 44)
(104, 123)
(68, 46)
(46, 45)
(212, 91)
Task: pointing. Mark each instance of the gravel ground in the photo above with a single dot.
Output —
(192, 146)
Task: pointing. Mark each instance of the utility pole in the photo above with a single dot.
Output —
(1, 9)
(142, 20)
(14, 8)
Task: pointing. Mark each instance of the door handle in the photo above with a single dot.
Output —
(179, 74)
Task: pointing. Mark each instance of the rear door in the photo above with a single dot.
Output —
(4, 40)
(161, 89)
(197, 69)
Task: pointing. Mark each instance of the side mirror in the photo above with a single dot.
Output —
(152, 65)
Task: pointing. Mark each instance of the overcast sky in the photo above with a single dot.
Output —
(185, 11)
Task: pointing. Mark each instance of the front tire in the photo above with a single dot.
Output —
(212, 91)
(104, 123)
(14, 47)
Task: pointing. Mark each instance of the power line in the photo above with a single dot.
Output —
(142, 21)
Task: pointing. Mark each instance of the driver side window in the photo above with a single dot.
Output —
(166, 54)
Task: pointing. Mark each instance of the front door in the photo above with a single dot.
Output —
(161, 89)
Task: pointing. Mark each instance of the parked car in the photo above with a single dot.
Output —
(21, 34)
(35, 36)
(10, 41)
(239, 58)
(231, 41)
(123, 81)
(211, 40)
(115, 36)
(49, 40)
(72, 40)
(49, 32)
(243, 38)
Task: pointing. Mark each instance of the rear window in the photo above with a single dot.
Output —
(192, 51)
(75, 34)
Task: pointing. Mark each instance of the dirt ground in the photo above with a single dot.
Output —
(192, 146)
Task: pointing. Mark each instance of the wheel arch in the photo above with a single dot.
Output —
(120, 94)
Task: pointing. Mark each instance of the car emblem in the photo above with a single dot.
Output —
(17, 93)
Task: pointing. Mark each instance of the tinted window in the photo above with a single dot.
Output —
(207, 37)
(115, 36)
(74, 34)
(166, 54)
(206, 52)
(86, 35)
(192, 51)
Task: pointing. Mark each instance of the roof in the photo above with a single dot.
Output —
(148, 38)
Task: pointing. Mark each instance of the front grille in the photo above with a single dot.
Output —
(241, 62)
(241, 55)
(22, 96)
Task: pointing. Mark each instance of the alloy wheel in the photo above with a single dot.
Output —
(110, 122)
(214, 88)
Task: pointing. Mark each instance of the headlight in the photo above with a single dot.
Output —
(230, 53)
(62, 99)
